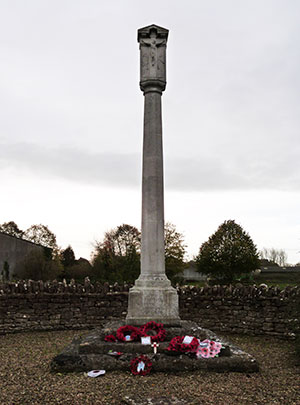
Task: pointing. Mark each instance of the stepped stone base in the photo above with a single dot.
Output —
(91, 353)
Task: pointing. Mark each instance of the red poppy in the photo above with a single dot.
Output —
(157, 327)
(140, 365)
(177, 345)
(128, 330)
(110, 338)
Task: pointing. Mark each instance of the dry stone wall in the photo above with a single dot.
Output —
(248, 310)
(36, 306)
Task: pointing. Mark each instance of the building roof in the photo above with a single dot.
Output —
(22, 239)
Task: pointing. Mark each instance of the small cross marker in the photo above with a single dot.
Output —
(155, 346)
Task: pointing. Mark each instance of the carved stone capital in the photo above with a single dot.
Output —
(153, 42)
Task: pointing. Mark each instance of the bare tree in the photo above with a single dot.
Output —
(282, 258)
(277, 256)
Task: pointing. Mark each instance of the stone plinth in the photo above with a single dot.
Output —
(157, 303)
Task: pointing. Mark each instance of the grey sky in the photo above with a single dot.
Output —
(72, 111)
(262, 170)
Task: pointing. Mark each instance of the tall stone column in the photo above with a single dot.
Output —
(153, 297)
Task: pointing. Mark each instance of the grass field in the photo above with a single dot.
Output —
(280, 280)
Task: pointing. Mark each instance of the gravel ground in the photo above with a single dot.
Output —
(25, 376)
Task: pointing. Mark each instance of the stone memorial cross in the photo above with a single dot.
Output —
(153, 298)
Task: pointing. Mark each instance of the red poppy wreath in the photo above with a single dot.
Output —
(140, 365)
(110, 338)
(128, 330)
(176, 345)
(157, 327)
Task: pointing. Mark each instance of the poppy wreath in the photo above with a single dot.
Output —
(158, 327)
(176, 345)
(134, 365)
(211, 350)
(110, 338)
(128, 330)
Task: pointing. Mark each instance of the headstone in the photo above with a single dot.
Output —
(153, 298)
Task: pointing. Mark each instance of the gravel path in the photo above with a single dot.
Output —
(25, 377)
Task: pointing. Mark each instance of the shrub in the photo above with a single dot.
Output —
(37, 266)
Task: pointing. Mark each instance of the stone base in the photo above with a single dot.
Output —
(157, 303)
(91, 353)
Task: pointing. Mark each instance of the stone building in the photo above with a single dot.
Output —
(12, 251)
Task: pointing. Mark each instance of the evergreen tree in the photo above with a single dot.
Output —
(228, 254)
(67, 257)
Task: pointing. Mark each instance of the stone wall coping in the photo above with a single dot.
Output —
(56, 287)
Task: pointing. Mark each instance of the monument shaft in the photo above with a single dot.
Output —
(153, 254)
(153, 297)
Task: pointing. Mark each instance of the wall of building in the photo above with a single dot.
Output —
(284, 270)
(191, 274)
(13, 250)
(53, 306)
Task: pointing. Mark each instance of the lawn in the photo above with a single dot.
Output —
(26, 377)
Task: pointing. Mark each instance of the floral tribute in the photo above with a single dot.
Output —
(140, 365)
(176, 345)
(110, 338)
(128, 330)
(208, 348)
(157, 327)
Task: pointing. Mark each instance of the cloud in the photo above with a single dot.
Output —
(71, 164)
(235, 174)
(231, 107)
(252, 171)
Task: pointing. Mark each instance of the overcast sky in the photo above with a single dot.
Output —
(71, 117)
